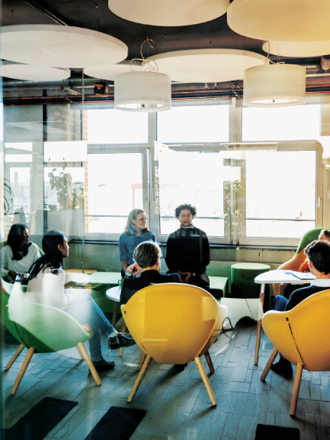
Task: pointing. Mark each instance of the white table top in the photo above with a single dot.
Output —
(284, 276)
(114, 293)
(94, 278)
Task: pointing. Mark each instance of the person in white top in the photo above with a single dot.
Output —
(19, 253)
(46, 285)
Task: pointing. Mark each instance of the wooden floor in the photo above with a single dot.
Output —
(177, 405)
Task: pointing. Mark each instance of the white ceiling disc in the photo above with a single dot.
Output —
(297, 49)
(206, 65)
(169, 12)
(32, 72)
(59, 46)
(109, 72)
(281, 20)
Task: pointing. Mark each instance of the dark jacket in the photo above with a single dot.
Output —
(132, 285)
(300, 294)
(188, 250)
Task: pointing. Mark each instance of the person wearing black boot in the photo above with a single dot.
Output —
(318, 257)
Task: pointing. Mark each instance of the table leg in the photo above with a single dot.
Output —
(114, 314)
(260, 313)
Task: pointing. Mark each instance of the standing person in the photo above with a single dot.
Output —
(147, 257)
(188, 249)
(20, 253)
(136, 232)
(318, 257)
(79, 305)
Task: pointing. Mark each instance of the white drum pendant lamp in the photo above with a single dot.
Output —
(142, 91)
(274, 85)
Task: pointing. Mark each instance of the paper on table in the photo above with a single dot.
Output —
(301, 275)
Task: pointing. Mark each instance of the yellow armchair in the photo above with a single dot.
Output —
(301, 335)
(174, 324)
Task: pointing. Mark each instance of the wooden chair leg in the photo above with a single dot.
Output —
(209, 362)
(260, 313)
(123, 331)
(296, 388)
(142, 358)
(206, 381)
(139, 378)
(269, 364)
(80, 354)
(14, 356)
(83, 351)
(114, 313)
(22, 370)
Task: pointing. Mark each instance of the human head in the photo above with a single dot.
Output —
(185, 213)
(55, 243)
(324, 235)
(18, 235)
(318, 252)
(132, 216)
(147, 254)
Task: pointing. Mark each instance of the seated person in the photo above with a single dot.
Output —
(19, 253)
(145, 271)
(299, 263)
(81, 306)
(188, 249)
(318, 257)
(136, 232)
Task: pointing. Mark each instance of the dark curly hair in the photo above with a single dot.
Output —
(188, 206)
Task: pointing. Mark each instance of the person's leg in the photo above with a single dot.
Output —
(201, 280)
(279, 303)
(283, 367)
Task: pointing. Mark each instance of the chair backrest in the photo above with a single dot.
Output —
(308, 237)
(302, 334)
(173, 322)
(41, 326)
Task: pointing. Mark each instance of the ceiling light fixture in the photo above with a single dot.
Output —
(274, 85)
(281, 20)
(169, 12)
(148, 91)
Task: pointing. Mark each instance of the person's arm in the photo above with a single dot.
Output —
(206, 251)
(170, 255)
(123, 264)
(292, 264)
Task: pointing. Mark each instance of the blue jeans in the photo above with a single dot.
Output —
(279, 303)
(85, 310)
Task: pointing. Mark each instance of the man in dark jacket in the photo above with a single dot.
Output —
(188, 249)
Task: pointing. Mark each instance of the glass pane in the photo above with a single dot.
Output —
(64, 200)
(280, 193)
(114, 189)
(20, 191)
(196, 178)
(116, 127)
(203, 123)
(281, 123)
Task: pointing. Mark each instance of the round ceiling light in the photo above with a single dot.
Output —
(297, 49)
(281, 20)
(109, 72)
(169, 12)
(59, 46)
(206, 65)
(32, 72)
(142, 91)
(274, 85)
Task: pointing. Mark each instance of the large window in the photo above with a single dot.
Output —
(260, 190)
(194, 124)
(115, 187)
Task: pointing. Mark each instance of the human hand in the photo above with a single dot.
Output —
(134, 269)
(12, 274)
(185, 276)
